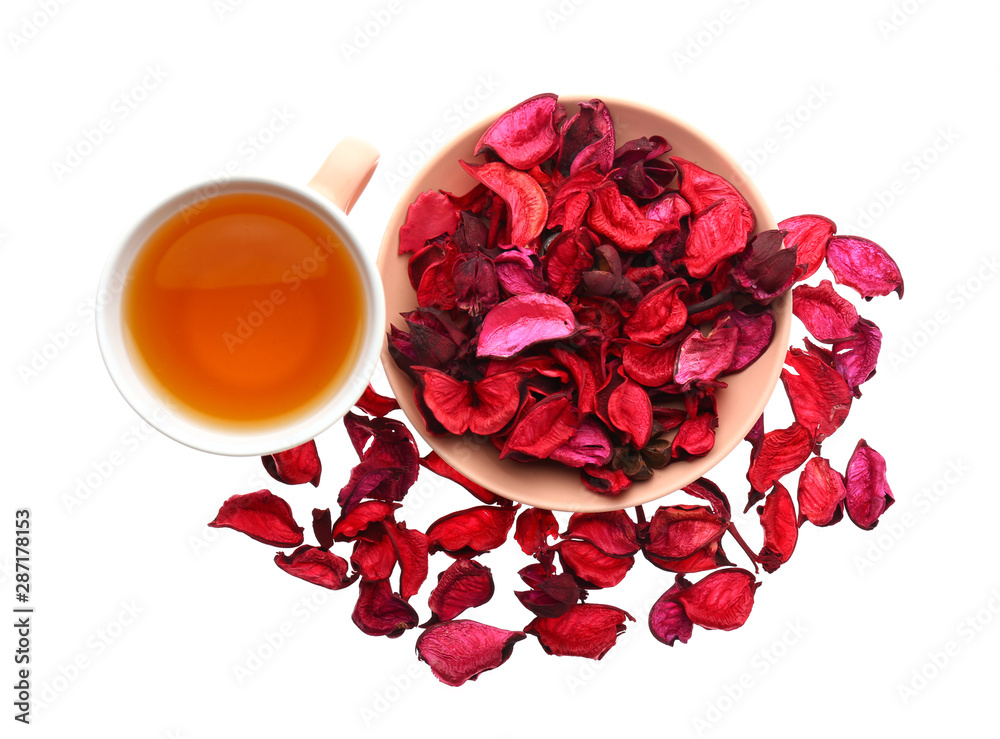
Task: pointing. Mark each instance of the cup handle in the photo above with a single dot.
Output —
(343, 176)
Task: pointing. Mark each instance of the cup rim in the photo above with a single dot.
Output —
(157, 409)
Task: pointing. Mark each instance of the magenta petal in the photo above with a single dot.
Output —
(523, 320)
(261, 516)
(755, 332)
(702, 358)
(868, 494)
(588, 445)
(855, 358)
(667, 620)
(863, 265)
(827, 315)
(525, 135)
(463, 650)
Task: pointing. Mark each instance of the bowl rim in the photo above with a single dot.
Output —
(638, 493)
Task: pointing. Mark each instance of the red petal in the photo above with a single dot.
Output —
(826, 315)
(261, 516)
(695, 437)
(295, 466)
(630, 411)
(566, 259)
(411, 548)
(781, 531)
(317, 566)
(868, 494)
(472, 531)
(808, 235)
(612, 532)
(438, 466)
(722, 600)
(677, 532)
(465, 584)
(586, 630)
(380, 612)
(660, 314)
(821, 493)
(353, 522)
(547, 426)
(591, 567)
(618, 217)
(524, 136)
(463, 650)
(605, 481)
(717, 234)
(863, 265)
(529, 208)
(533, 529)
(429, 216)
(782, 451)
(819, 396)
(374, 404)
(652, 366)
(375, 559)
(700, 188)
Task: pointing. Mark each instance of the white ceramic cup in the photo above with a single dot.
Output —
(340, 181)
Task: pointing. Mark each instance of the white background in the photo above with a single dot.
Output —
(855, 96)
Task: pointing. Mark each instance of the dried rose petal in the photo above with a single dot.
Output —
(605, 481)
(261, 516)
(630, 411)
(650, 365)
(660, 314)
(392, 448)
(677, 532)
(855, 358)
(702, 358)
(781, 452)
(471, 531)
(589, 445)
(463, 650)
(438, 466)
(708, 491)
(868, 494)
(483, 407)
(826, 315)
(587, 138)
(374, 404)
(523, 320)
(667, 620)
(374, 558)
(717, 234)
(821, 493)
(476, 286)
(411, 547)
(380, 612)
(429, 216)
(765, 269)
(323, 527)
(358, 519)
(819, 396)
(572, 199)
(613, 532)
(722, 600)
(781, 531)
(465, 584)
(586, 630)
(669, 209)
(547, 426)
(863, 265)
(591, 566)
(568, 256)
(533, 529)
(525, 135)
(755, 332)
(695, 437)
(550, 597)
(529, 208)
(518, 273)
(618, 217)
(317, 566)
(295, 466)
(808, 235)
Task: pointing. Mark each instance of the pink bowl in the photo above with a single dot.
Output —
(548, 484)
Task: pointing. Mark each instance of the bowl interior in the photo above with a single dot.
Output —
(548, 484)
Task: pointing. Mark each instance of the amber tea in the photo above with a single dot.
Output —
(245, 308)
